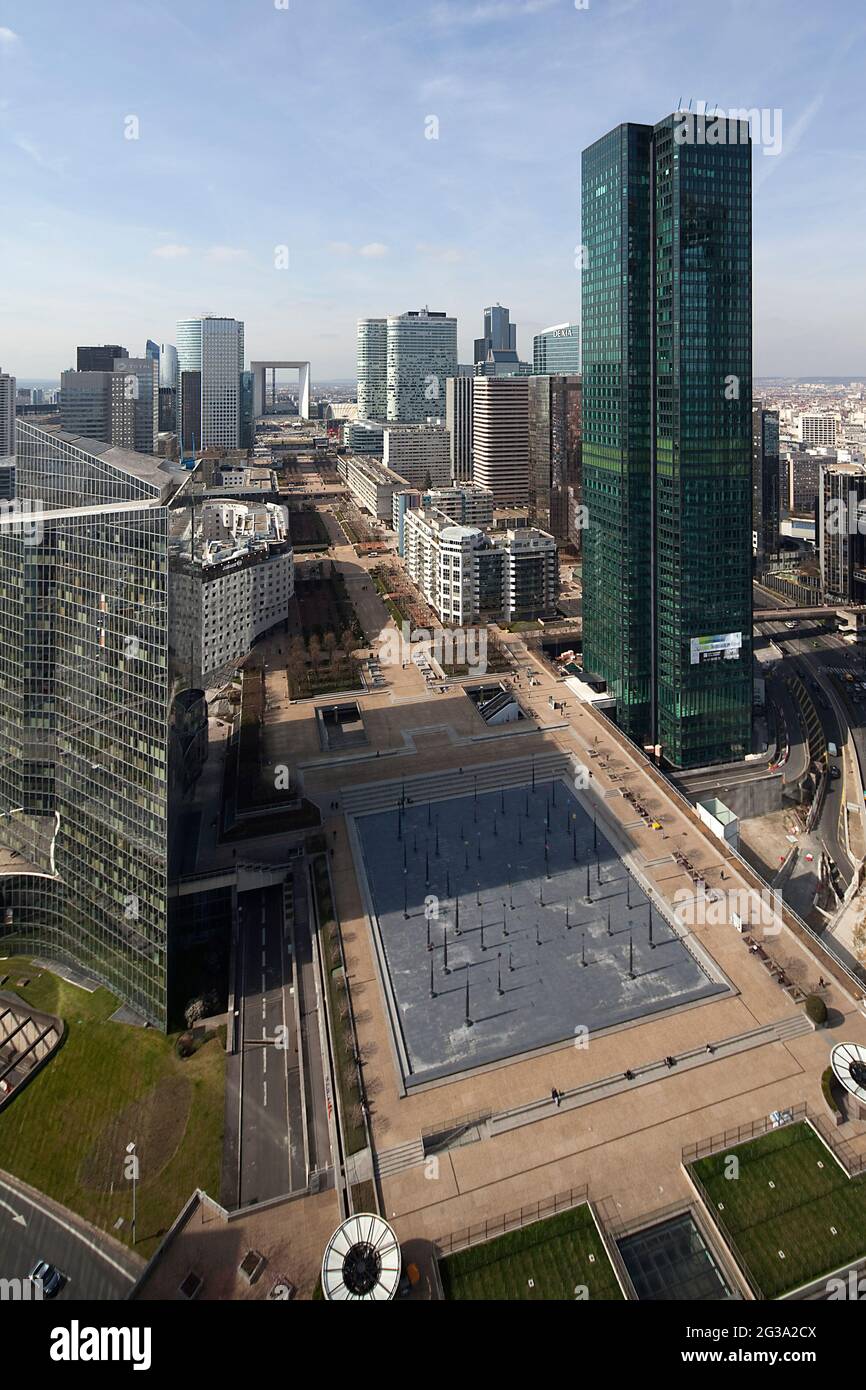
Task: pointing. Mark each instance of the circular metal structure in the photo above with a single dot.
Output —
(848, 1061)
(362, 1261)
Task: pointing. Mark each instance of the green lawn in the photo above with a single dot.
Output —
(107, 1085)
(810, 1194)
(554, 1254)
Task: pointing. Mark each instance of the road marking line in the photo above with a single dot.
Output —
(16, 1215)
(21, 1196)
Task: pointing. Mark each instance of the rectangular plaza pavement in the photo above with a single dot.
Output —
(516, 894)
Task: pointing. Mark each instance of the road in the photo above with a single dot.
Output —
(812, 658)
(34, 1228)
(272, 1147)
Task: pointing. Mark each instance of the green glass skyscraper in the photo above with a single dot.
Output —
(667, 432)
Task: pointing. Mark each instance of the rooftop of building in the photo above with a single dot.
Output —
(162, 473)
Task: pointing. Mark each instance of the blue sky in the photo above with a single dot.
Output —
(261, 127)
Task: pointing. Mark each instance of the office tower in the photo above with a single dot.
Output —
(85, 718)
(213, 349)
(556, 351)
(134, 386)
(818, 429)
(841, 532)
(372, 369)
(421, 355)
(667, 432)
(247, 430)
(500, 431)
(151, 349)
(458, 422)
(115, 407)
(765, 483)
(500, 335)
(7, 437)
(85, 403)
(168, 388)
(554, 454)
(168, 366)
(7, 415)
(419, 453)
(100, 359)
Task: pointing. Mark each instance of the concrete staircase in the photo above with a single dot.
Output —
(398, 1159)
(439, 786)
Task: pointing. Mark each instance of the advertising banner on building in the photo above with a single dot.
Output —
(725, 645)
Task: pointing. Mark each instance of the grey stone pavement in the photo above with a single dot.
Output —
(540, 961)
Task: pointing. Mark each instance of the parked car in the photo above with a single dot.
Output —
(49, 1277)
(834, 772)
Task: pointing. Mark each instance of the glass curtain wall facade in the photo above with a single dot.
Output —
(667, 432)
(85, 693)
(617, 452)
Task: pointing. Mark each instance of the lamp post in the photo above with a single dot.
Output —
(130, 1168)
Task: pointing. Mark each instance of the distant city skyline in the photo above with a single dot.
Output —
(120, 229)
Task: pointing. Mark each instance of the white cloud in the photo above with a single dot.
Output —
(448, 254)
(7, 37)
(225, 253)
(374, 250)
(488, 11)
(32, 150)
(170, 252)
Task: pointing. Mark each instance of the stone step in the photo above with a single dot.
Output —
(399, 1158)
(445, 785)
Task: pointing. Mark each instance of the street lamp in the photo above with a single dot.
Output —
(130, 1169)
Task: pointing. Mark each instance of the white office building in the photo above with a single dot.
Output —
(371, 483)
(372, 369)
(230, 582)
(458, 422)
(421, 356)
(210, 359)
(500, 429)
(818, 429)
(419, 453)
(468, 574)
(465, 503)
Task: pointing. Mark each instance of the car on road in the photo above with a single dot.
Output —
(834, 772)
(48, 1277)
(791, 625)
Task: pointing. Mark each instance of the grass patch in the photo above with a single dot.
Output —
(109, 1084)
(339, 1007)
(810, 1194)
(553, 1254)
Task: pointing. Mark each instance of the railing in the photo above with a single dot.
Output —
(820, 946)
(852, 1163)
(512, 1221)
(435, 1140)
(730, 1138)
